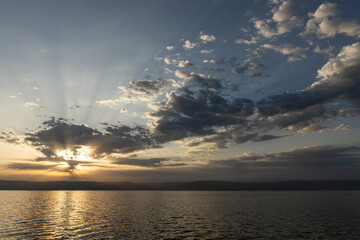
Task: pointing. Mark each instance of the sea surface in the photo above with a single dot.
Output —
(179, 215)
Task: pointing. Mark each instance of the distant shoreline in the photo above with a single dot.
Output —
(301, 185)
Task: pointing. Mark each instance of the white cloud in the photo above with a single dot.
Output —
(32, 104)
(340, 72)
(180, 63)
(189, 45)
(284, 18)
(248, 42)
(325, 23)
(108, 102)
(183, 75)
(206, 51)
(185, 63)
(326, 10)
(169, 61)
(207, 38)
(169, 48)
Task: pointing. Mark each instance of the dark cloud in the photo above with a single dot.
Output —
(149, 162)
(219, 60)
(250, 64)
(60, 134)
(188, 113)
(308, 157)
(200, 80)
(258, 74)
(31, 166)
(214, 70)
(238, 136)
(196, 114)
(147, 86)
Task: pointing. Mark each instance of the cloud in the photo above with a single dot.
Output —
(206, 51)
(148, 86)
(258, 74)
(296, 53)
(339, 77)
(325, 23)
(31, 166)
(180, 63)
(221, 60)
(284, 18)
(253, 40)
(238, 135)
(183, 64)
(59, 134)
(170, 48)
(248, 64)
(197, 113)
(10, 137)
(307, 157)
(327, 51)
(146, 162)
(203, 112)
(207, 38)
(200, 80)
(32, 104)
(189, 45)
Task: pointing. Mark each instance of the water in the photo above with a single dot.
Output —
(179, 215)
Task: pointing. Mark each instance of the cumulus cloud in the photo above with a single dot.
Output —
(283, 17)
(207, 38)
(200, 79)
(59, 134)
(148, 86)
(169, 48)
(202, 112)
(189, 45)
(339, 77)
(185, 63)
(325, 23)
(178, 63)
(197, 113)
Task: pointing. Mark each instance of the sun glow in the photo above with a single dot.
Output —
(81, 154)
(74, 158)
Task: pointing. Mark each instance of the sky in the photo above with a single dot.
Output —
(160, 91)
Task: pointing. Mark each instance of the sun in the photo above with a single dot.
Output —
(82, 154)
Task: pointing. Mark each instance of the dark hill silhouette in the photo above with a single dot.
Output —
(196, 185)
